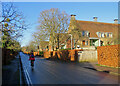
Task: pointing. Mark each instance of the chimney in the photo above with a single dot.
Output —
(95, 19)
(115, 21)
(73, 17)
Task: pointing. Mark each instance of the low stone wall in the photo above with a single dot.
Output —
(65, 55)
(87, 56)
(109, 55)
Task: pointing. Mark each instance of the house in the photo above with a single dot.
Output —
(94, 33)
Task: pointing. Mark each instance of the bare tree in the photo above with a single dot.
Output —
(52, 22)
(40, 40)
(12, 22)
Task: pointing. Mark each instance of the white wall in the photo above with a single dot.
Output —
(87, 56)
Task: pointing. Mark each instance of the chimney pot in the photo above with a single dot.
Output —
(95, 19)
(116, 21)
(73, 16)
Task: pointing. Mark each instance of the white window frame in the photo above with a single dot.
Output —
(98, 34)
(87, 33)
(86, 42)
(111, 35)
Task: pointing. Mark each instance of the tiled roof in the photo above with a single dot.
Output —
(94, 27)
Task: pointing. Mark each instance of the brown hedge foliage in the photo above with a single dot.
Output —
(8, 55)
(65, 55)
(35, 53)
(109, 55)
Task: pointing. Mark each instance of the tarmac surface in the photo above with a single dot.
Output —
(11, 73)
(56, 72)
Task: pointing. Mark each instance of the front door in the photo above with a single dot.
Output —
(83, 42)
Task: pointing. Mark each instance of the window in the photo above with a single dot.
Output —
(83, 33)
(98, 34)
(87, 34)
(109, 35)
(102, 35)
(86, 42)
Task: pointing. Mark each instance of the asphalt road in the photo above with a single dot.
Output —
(52, 72)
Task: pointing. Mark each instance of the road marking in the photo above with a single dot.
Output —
(29, 82)
(28, 77)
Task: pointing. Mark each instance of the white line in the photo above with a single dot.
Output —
(29, 77)
(29, 82)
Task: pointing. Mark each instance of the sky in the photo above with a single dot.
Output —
(105, 11)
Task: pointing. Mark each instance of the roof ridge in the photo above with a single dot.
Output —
(97, 22)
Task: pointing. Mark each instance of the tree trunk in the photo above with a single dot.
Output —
(58, 41)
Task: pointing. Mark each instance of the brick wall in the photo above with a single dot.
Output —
(109, 55)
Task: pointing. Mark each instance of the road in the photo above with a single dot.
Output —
(52, 72)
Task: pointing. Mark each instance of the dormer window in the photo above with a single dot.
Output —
(102, 35)
(110, 35)
(98, 34)
(85, 33)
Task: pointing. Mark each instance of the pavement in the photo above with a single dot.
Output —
(94, 66)
(11, 73)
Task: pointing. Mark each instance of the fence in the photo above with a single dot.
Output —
(109, 55)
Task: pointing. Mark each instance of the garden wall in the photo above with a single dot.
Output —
(109, 55)
(86, 55)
